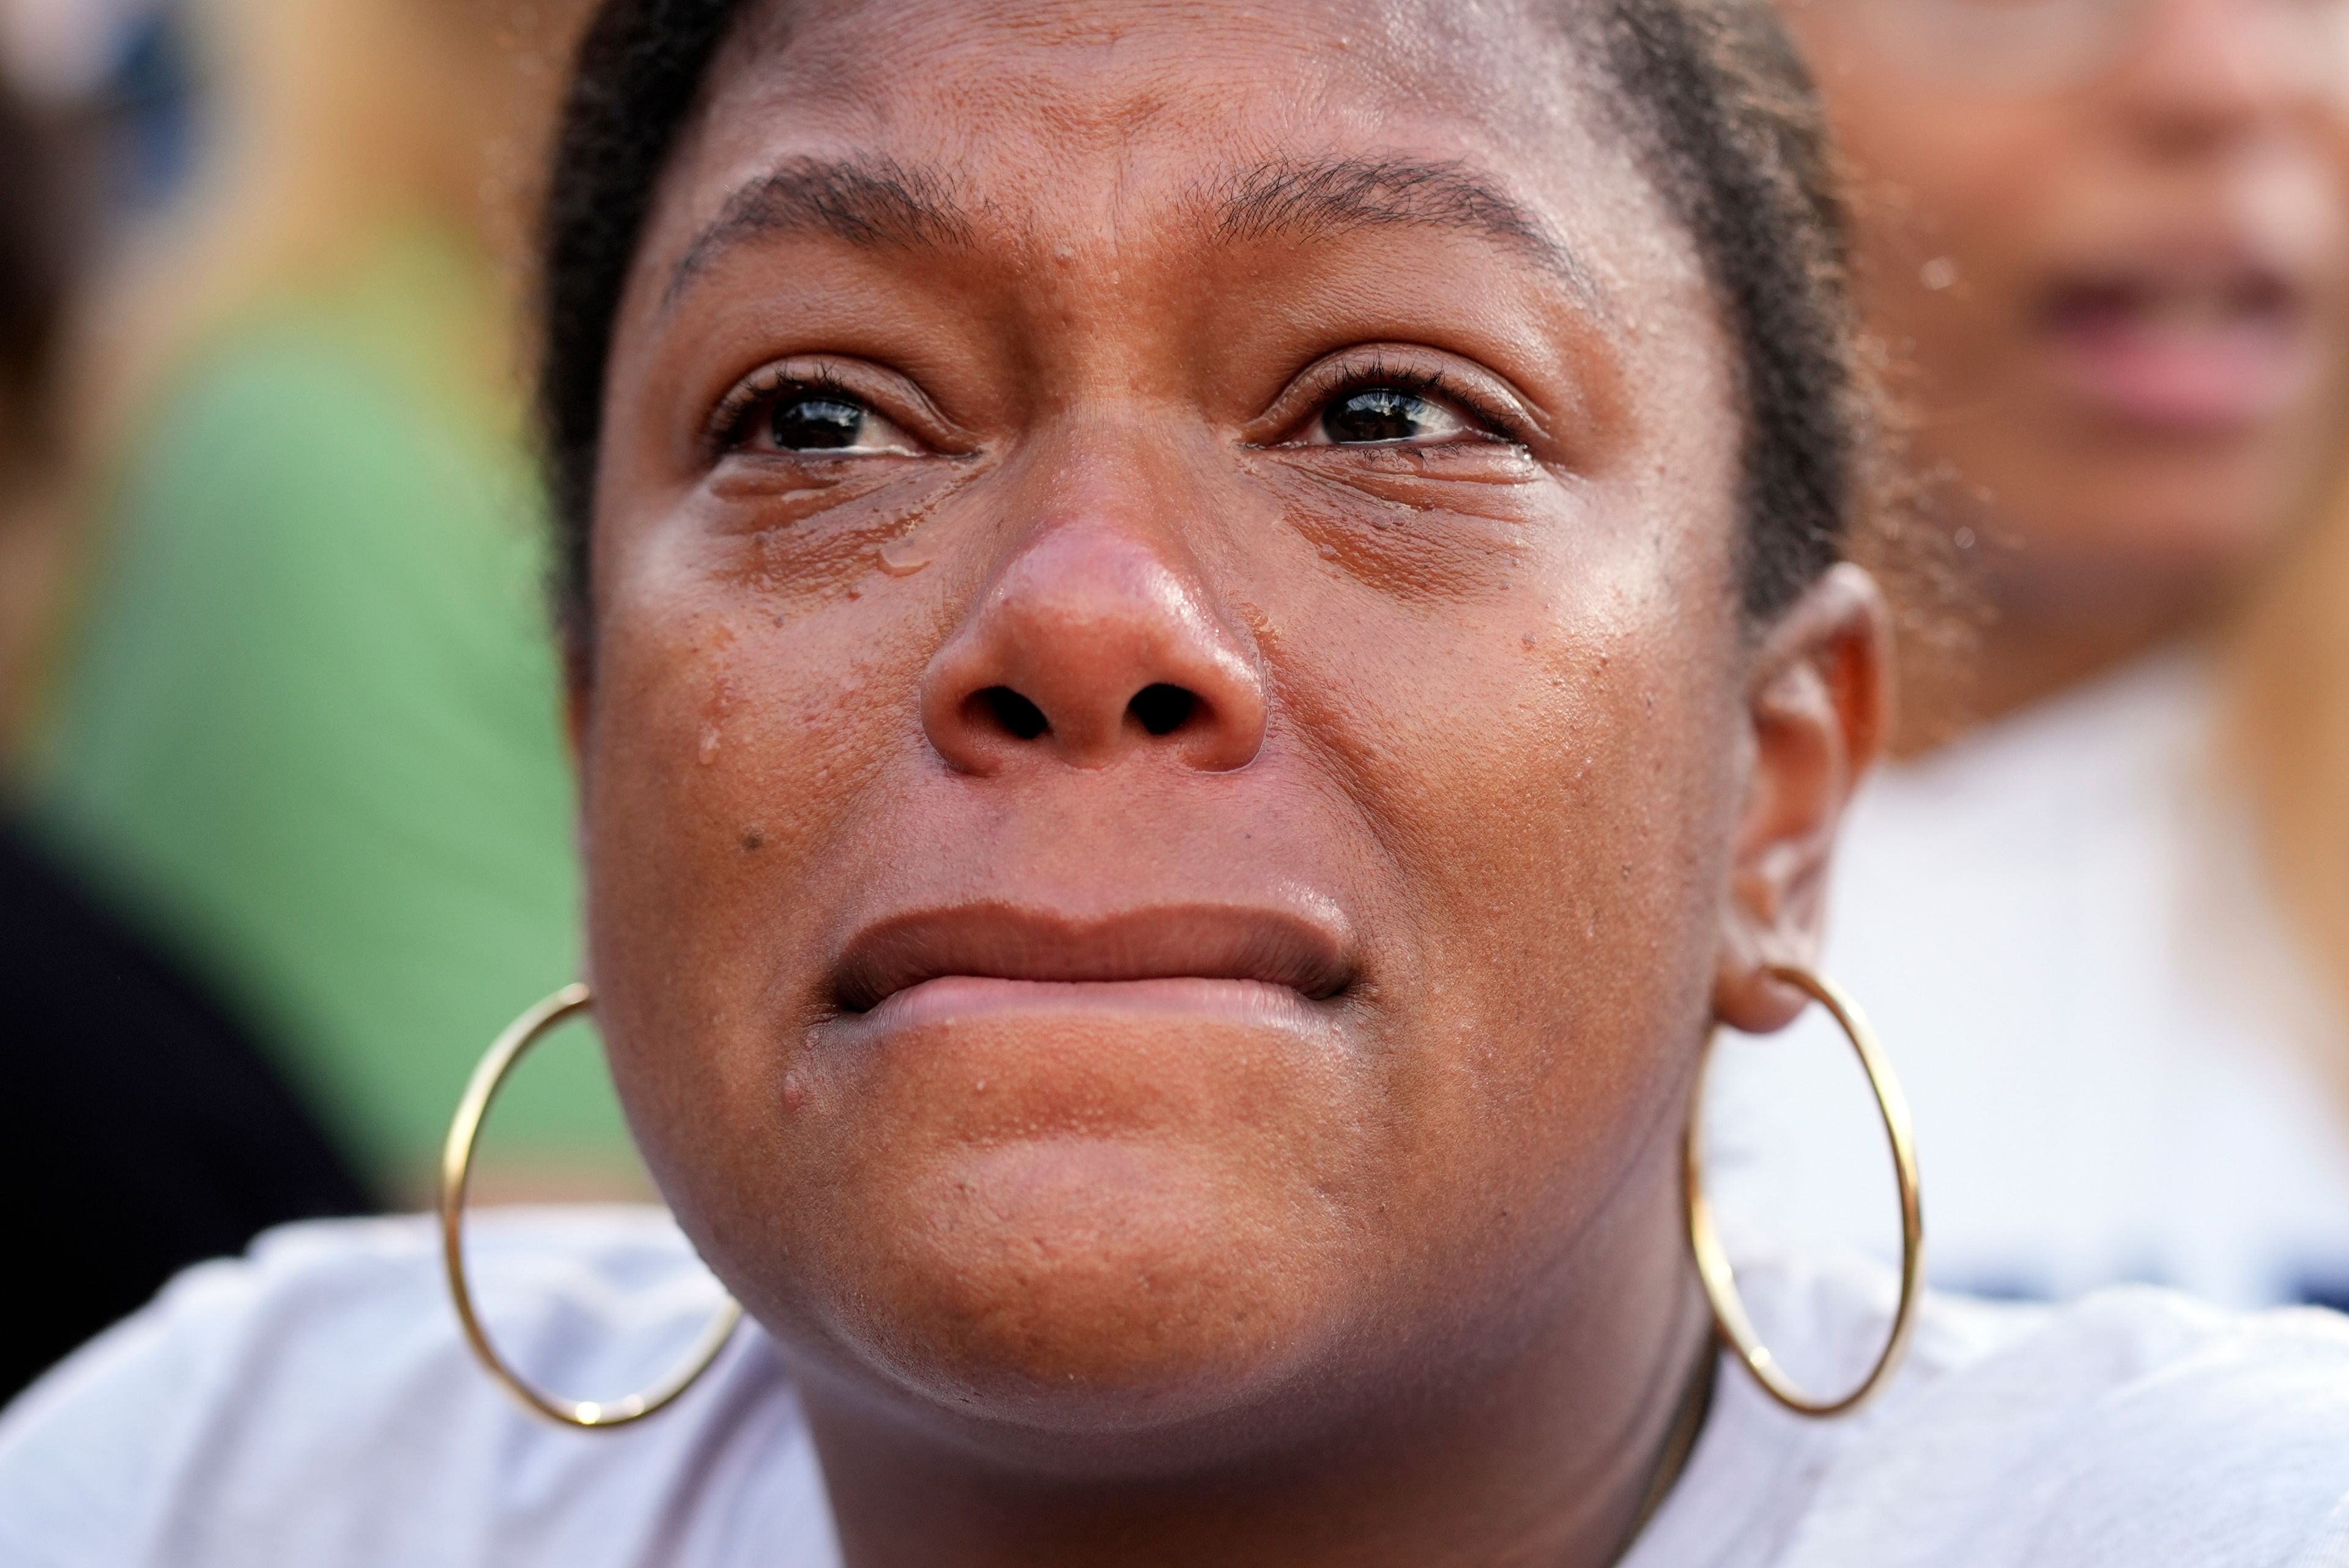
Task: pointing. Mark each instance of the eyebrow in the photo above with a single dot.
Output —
(1325, 198)
(867, 201)
(877, 202)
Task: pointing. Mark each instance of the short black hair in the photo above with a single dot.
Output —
(1720, 109)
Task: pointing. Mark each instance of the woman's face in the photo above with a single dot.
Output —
(1172, 773)
(2105, 244)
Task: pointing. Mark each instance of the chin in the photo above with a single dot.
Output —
(2188, 544)
(1088, 1287)
(2174, 527)
(1081, 1223)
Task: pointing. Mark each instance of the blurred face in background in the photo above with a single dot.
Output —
(2104, 242)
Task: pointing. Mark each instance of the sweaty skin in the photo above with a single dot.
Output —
(1155, 945)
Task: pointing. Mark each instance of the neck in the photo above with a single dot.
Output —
(1548, 1457)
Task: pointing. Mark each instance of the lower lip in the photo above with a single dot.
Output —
(951, 998)
(2212, 380)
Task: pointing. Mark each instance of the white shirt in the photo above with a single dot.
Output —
(315, 1407)
(2107, 1035)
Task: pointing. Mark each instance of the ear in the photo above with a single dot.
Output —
(1818, 701)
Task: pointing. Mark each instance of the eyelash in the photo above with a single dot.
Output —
(732, 422)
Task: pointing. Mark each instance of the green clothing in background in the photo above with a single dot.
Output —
(313, 727)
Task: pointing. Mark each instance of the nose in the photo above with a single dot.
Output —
(2213, 70)
(1093, 643)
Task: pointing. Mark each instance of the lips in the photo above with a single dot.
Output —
(2184, 344)
(1150, 955)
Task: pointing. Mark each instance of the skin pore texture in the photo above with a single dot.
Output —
(1173, 776)
(2116, 304)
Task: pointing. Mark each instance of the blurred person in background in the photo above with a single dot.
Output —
(308, 721)
(101, 87)
(2103, 908)
(146, 1132)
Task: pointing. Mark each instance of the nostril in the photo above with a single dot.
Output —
(1163, 709)
(1008, 710)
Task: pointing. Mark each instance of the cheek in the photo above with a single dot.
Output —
(751, 660)
(1951, 193)
(732, 734)
(1946, 265)
(1549, 772)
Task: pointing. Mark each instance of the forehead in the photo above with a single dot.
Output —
(1036, 123)
(1104, 69)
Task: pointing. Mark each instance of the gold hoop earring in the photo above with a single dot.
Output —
(456, 1171)
(1713, 1261)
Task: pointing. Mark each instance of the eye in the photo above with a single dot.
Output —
(811, 416)
(819, 424)
(825, 421)
(1388, 416)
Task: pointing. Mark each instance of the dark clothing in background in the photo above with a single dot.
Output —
(145, 1131)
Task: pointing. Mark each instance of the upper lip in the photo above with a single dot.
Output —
(2246, 290)
(2218, 267)
(1276, 946)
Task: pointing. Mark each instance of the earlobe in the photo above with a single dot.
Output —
(1817, 705)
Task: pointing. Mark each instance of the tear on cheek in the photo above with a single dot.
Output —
(801, 546)
(1417, 557)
